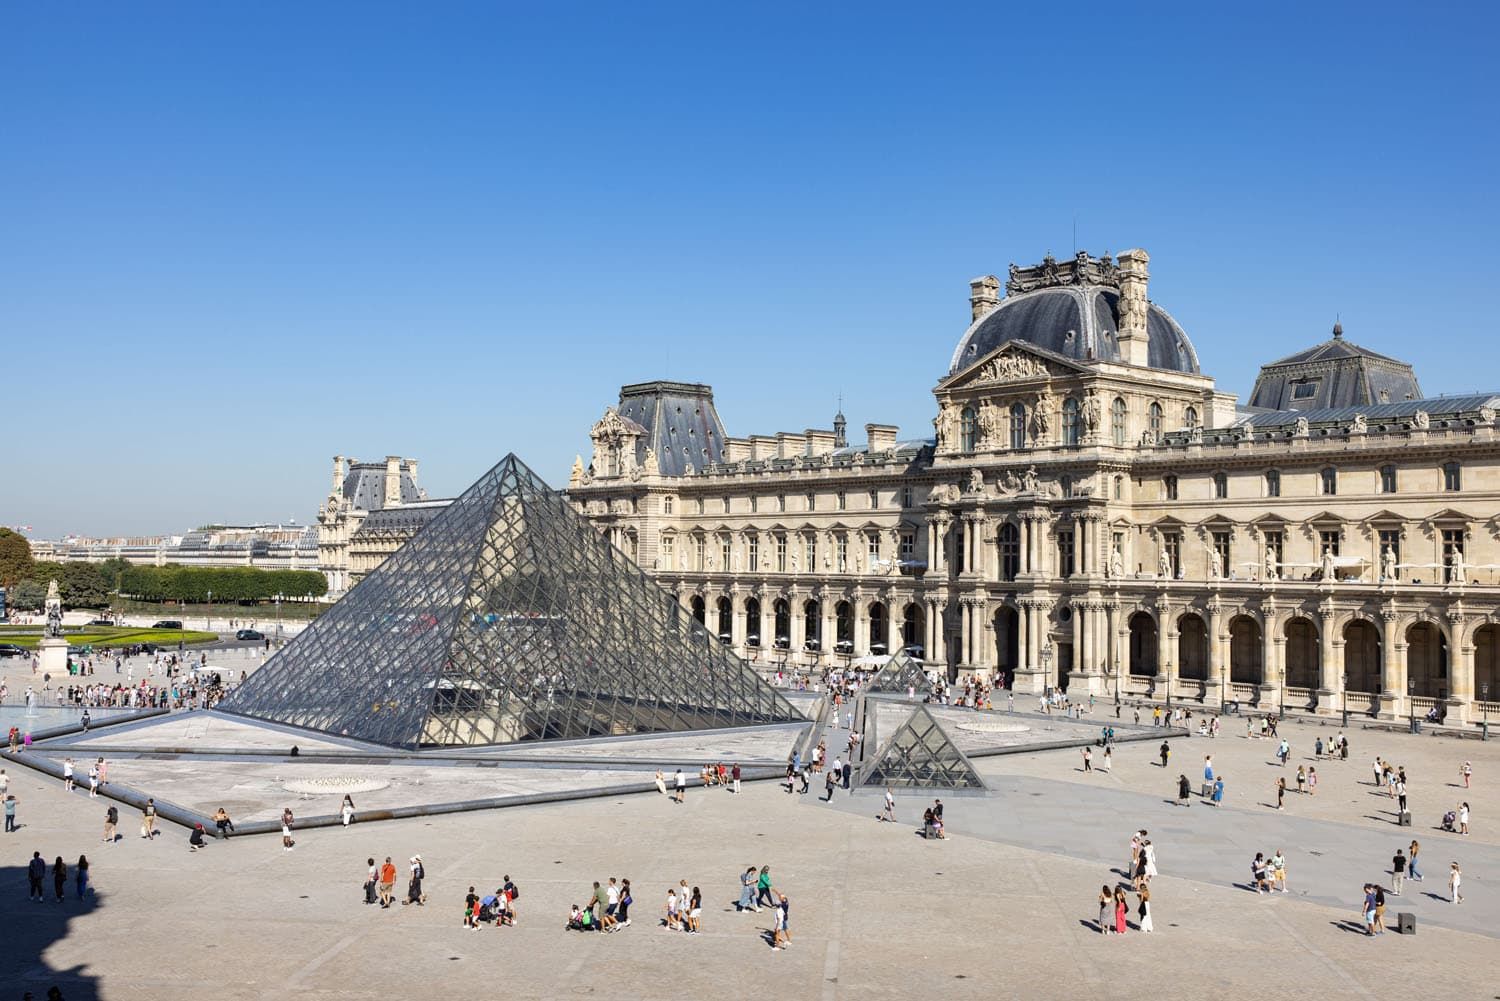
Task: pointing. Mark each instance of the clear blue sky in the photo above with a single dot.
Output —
(238, 239)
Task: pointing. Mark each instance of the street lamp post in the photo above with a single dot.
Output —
(1344, 688)
(1047, 665)
(1411, 706)
(209, 613)
(278, 615)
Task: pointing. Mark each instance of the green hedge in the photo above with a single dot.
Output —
(174, 583)
(103, 637)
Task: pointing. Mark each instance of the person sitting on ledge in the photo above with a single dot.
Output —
(195, 840)
(575, 920)
(223, 823)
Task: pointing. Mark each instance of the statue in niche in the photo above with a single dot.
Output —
(1028, 480)
(734, 559)
(1330, 571)
(1215, 563)
(976, 482)
(1011, 483)
(651, 465)
(793, 557)
(1093, 413)
(1271, 565)
(1164, 564)
(1388, 564)
(1457, 574)
(989, 423)
(1041, 420)
(945, 426)
(1116, 565)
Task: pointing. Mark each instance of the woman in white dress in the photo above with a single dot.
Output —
(346, 811)
(1145, 909)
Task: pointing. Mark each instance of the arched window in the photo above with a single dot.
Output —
(1117, 420)
(1070, 421)
(1018, 425)
(1153, 420)
(1190, 418)
(966, 430)
(1221, 485)
(1273, 483)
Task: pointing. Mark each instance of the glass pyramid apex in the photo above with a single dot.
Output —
(507, 618)
(900, 675)
(920, 755)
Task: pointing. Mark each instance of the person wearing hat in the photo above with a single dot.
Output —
(195, 840)
(414, 894)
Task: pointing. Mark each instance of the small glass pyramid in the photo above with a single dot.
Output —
(507, 618)
(900, 675)
(919, 755)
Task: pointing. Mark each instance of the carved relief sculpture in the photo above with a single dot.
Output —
(976, 482)
(1421, 420)
(1010, 367)
(1093, 414)
(1041, 420)
(945, 425)
(989, 423)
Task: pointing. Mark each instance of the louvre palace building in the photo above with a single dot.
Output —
(1090, 513)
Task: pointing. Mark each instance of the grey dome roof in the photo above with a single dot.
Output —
(1076, 321)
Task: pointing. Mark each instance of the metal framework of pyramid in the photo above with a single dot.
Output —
(920, 755)
(901, 674)
(507, 618)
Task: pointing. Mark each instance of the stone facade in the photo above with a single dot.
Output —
(1097, 525)
(359, 489)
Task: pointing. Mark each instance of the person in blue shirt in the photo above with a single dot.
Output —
(1218, 797)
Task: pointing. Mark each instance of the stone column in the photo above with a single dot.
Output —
(1460, 668)
(861, 635)
(1216, 679)
(796, 625)
(894, 620)
(1392, 664)
(1330, 692)
(737, 621)
(1164, 632)
(940, 633)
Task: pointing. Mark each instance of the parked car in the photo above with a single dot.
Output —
(11, 650)
(167, 624)
(101, 622)
(250, 634)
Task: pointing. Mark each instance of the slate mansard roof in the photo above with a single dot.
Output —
(679, 421)
(1334, 374)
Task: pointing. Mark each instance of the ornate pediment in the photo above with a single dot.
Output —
(1081, 270)
(612, 427)
(1014, 362)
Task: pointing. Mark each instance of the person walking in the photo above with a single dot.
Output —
(1466, 772)
(111, 820)
(1463, 819)
(1312, 780)
(890, 806)
(830, 780)
(286, 830)
(1411, 861)
(694, 911)
(1121, 907)
(1301, 779)
(622, 916)
(1184, 790)
(1398, 872)
(1208, 768)
(747, 892)
(763, 894)
(36, 871)
(148, 819)
(1144, 912)
(1218, 794)
(1108, 757)
(1278, 871)
(1106, 904)
(1367, 910)
(67, 774)
(1281, 792)
(10, 813)
(1088, 759)
(778, 927)
(1379, 893)
(1455, 880)
(60, 877)
(1283, 752)
(81, 876)
(372, 880)
(1166, 752)
(679, 783)
(1259, 873)
(735, 774)
(387, 882)
(93, 781)
(346, 810)
(414, 894)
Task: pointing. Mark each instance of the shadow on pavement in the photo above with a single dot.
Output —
(31, 928)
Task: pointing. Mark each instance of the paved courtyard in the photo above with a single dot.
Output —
(1005, 907)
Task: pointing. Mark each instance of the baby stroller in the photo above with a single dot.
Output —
(1449, 820)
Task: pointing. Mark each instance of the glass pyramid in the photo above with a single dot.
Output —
(919, 755)
(900, 675)
(507, 618)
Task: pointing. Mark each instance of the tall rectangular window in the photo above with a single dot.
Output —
(1452, 476)
(1221, 546)
(1065, 553)
(780, 552)
(812, 501)
(1328, 480)
(726, 505)
(908, 545)
(872, 549)
(666, 505)
(781, 502)
(1453, 552)
(700, 505)
(906, 496)
(1169, 487)
(1273, 545)
(752, 551)
(726, 551)
(874, 499)
(700, 550)
(1172, 544)
(1328, 542)
(810, 550)
(1390, 538)
(754, 503)
(841, 553)
(667, 545)
(1387, 479)
(1273, 483)
(843, 501)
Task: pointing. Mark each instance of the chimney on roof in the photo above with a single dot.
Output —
(984, 295)
(1134, 275)
(338, 474)
(392, 480)
(411, 470)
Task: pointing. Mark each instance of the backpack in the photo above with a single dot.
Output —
(515, 894)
